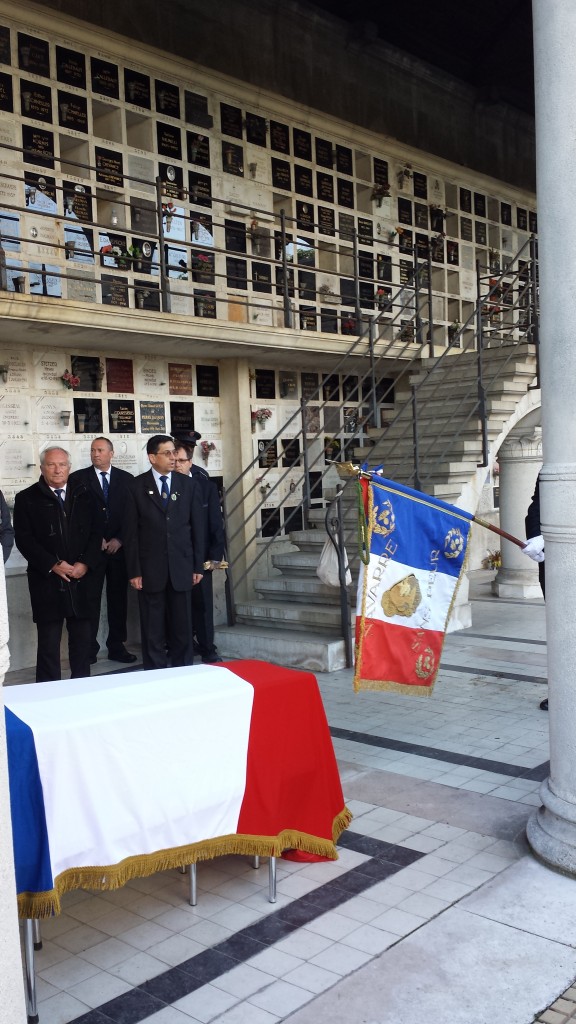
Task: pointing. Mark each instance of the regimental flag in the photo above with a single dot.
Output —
(417, 552)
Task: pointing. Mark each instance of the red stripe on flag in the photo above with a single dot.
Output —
(398, 654)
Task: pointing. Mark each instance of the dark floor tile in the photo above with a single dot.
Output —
(363, 844)
(401, 856)
(270, 929)
(326, 898)
(92, 1017)
(240, 947)
(298, 913)
(171, 985)
(131, 1007)
(208, 964)
(376, 870)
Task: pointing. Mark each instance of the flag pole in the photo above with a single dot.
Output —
(501, 533)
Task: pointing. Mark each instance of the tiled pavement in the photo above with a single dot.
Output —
(434, 911)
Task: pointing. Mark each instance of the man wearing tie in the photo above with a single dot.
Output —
(58, 530)
(109, 486)
(164, 546)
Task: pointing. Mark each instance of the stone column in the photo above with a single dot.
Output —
(552, 830)
(519, 459)
(12, 1004)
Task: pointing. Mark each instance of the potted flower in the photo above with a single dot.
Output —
(493, 560)
(70, 380)
(331, 448)
(380, 192)
(260, 416)
(205, 448)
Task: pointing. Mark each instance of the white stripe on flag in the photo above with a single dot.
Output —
(436, 588)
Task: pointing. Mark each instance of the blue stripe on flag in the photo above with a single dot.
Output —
(31, 848)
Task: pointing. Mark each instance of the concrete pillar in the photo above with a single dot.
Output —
(519, 459)
(12, 1003)
(552, 830)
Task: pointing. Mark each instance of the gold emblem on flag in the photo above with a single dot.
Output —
(383, 521)
(453, 543)
(425, 664)
(403, 598)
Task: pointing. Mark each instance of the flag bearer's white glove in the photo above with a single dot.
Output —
(534, 548)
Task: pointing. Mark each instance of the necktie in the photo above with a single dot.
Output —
(105, 486)
(165, 493)
(59, 491)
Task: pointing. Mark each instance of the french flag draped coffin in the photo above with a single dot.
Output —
(417, 550)
(116, 777)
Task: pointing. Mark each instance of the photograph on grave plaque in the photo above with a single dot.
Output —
(137, 88)
(279, 137)
(72, 111)
(303, 182)
(380, 172)
(325, 186)
(5, 48)
(169, 141)
(345, 193)
(105, 78)
(309, 384)
(480, 232)
(77, 201)
(506, 213)
(180, 378)
(344, 163)
(521, 219)
(302, 142)
(120, 376)
(70, 67)
(265, 381)
(88, 416)
(479, 204)
(181, 416)
(38, 146)
(324, 153)
(200, 189)
(36, 101)
(267, 453)
(172, 180)
(304, 215)
(232, 159)
(421, 216)
(121, 416)
(198, 149)
(167, 98)
(231, 120)
(404, 211)
(256, 129)
(326, 221)
(207, 382)
(261, 277)
(152, 418)
(420, 185)
(196, 110)
(465, 200)
(114, 291)
(33, 55)
(466, 229)
(452, 254)
(290, 453)
(281, 174)
(6, 93)
(109, 167)
(365, 231)
(271, 521)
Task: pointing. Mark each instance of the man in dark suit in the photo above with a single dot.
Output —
(109, 486)
(58, 530)
(164, 541)
(214, 548)
(534, 547)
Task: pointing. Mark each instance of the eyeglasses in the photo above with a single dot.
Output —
(180, 461)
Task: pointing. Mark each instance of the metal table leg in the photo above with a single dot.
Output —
(193, 891)
(256, 861)
(272, 880)
(31, 1006)
(37, 933)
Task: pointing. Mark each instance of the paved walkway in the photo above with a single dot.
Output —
(434, 912)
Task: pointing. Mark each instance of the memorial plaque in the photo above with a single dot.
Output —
(6, 93)
(436, 220)
(137, 88)
(38, 146)
(302, 142)
(331, 388)
(198, 149)
(452, 253)
(181, 416)
(384, 267)
(33, 55)
(167, 98)
(231, 120)
(532, 222)
(281, 175)
(279, 137)
(326, 221)
(324, 153)
(121, 416)
(506, 213)
(349, 393)
(465, 200)
(312, 419)
(422, 245)
(72, 111)
(521, 219)
(105, 78)
(306, 285)
(207, 382)
(81, 287)
(172, 180)
(77, 201)
(152, 418)
(344, 164)
(309, 385)
(346, 223)
(256, 129)
(405, 241)
(232, 159)
(180, 378)
(267, 453)
(265, 384)
(169, 141)
(291, 455)
(304, 215)
(365, 231)
(303, 180)
(405, 271)
(70, 67)
(345, 193)
(114, 291)
(40, 192)
(479, 204)
(88, 416)
(207, 421)
(325, 186)
(120, 376)
(420, 185)
(466, 229)
(270, 517)
(5, 48)
(437, 250)
(480, 232)
(109, 167)
(380, 172)
(205, 304)
(196, 110)
(36, 101)
(421, 216)
(261, 277)
(404, 211)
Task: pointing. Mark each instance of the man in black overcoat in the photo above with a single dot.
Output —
(109, 486)
(58, 530)
(164, 542)
(534, 547)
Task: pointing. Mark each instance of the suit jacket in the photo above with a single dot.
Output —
(215, 539)
(164, 545)
(532, 521)
(45, 534)
(6, 529)
(113, 514)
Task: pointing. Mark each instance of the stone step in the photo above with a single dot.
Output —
(313, 591)
(297, 563)
(309, 541)
(306, 651)
(290, 616)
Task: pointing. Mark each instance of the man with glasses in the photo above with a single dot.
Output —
(202, 595)
(164, 542)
